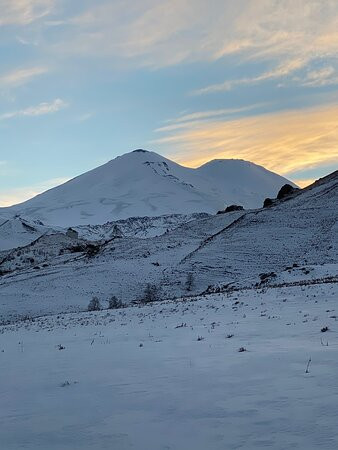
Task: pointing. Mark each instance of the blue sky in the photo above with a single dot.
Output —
(84, 81)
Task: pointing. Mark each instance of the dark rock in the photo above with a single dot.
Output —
(231, 208)
(267, 202)
(285, 191)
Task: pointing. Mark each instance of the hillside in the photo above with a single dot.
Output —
(294, 240)
(143, 183)
(19, 232)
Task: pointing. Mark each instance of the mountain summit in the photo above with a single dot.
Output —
(143, 183)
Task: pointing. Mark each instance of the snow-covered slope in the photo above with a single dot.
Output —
(234, 248)
(303, 229)
(143, 183)
(18, 231)
(171, 376)
(141, 227)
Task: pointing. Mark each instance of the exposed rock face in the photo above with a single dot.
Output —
(285, 191)
(231, 208)
(267, 202)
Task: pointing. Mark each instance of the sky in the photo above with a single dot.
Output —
(82, 82)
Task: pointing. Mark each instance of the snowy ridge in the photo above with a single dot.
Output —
(140, 227)
(143, 183)
(18, 231)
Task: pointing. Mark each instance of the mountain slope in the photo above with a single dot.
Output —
(143, 183)
(296, 239)
(18, 231)
(300, 230)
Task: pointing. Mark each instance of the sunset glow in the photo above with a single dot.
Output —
(84, 82)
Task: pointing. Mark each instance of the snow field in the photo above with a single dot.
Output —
(169, 376)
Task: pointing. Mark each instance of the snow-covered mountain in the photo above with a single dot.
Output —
(20, 231)
(295, 239)
(143, 183)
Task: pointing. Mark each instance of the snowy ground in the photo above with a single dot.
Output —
(169, 376)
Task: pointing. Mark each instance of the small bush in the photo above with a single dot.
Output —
(189, 283)
(115, 303)
(92, 250)
(94, 304)
(150, 293)
(266, 276)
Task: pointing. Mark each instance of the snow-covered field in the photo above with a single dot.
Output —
(170, 375)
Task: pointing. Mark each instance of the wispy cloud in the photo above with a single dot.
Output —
(19, 77)
(38, 110)
(282, 70)
(23, 12)
(11, 197)
(196, 117)
(169, 32)
(84, 117)
(285, 35)
(321, 77)
(283, 141)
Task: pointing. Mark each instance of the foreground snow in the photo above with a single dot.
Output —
(169, 376)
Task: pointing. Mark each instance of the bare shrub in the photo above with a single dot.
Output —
(115, 303)
(94, 304)
(151, 293)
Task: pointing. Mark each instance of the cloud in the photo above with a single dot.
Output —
(322, 77)
(287, 37)
(196, 117)
(158, 34)
(39, 110)
(11, 197)
(284, 142)
(213, 113)
(19, 77)
(84, 117)
(282, 70)
(23, 12)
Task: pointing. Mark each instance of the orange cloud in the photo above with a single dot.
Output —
(284, 142)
